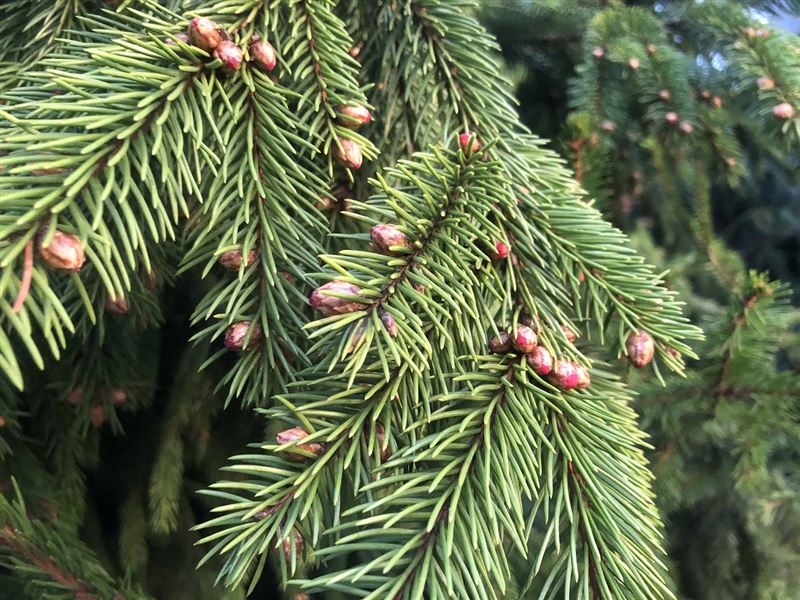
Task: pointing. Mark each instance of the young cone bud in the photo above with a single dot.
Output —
(686, 127)
(784, 111)
(584, 379)
(180, 36)
(331, 305)
(671, 117)
(608, 126)
(464, 142)
(230, 54)
(664, 95)
(64, 253)
(501, 250)
(204, 33)
(118, 396)
(598, 53)
(385, 236)
(501, 343)
(349, 155)
(237, 333)
(75, 395)
(540, 360)
(287, 546)
(765, 83)
(389, 323)
(633, 63)
(651, 49)
(569, 334)
(296, 452)
(565, 375)
(263, 54)
(117, 305)
(97, 415)
(640, 347)
(354, 116)
(526, 339)
(716, 101)
(232, 259)
(380, 437)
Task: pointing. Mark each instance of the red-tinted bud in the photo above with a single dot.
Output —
(633, 63)
(468, 142)
(204, 33)
(2, 421)
(640, 347)
(686, 127)
(389, 323)
(97, 415)
(664, 95)
(565, 375)
(230, 54)
(526, 339)
(328, 305)
(380, 437)
(540, 360)
(419, 287)
(730, 162)
(180, 36)
(232, 259)
(75, 395)
(64, 252)
(287, 546)
(674, 353)
(716, 101)
(288, 277)
(501, 343)
(671, 117)
(118, 396)
(608, 126)
(750, 33)
(584, 379)
(784, 110)
(263, 54)
(296, 452)
(569, 334)
(237, 333)
(349, 155)
(117, 305)
(354, 116)
(386, 236)
(598, 53)
(765, 83)
(501, 250)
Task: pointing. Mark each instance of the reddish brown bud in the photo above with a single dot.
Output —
(419, 287)
(389, 323)
(2, 421)
(204, 33)
(237, 333)
(97, 415)
(569, 334)
(64, 252)
(322, 300)
(633, 63)
(386, 236)
(288, 277)
(230, 54)
(584, 379)
(288, 553)
(501, 250)
(263, 54)
(664, 95)
(117, 305)
(380, 437)
(640, 347)
(118, 396)
(296, 452)
(526, 339)
(598, 53)
(765, 83)
(354, 116)
(608, 126)
(151, 279)
(75, 395)
(671, 117)
(464, 141)
(784, 111)
(349, 154)
(565, 375)
(232, 259)
(501, 343)
(540, 360)
(716, 101)
(674, 353)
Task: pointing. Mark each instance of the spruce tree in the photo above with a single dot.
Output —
(320, 227)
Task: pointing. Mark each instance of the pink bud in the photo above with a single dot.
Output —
(716, 101)
(501, 250)
(584, 379)
(540, 360)
(349, 155)
(633, 63)
(501, 343)
(263, 54)
(565, 374)
(765, 83)
(784, 110)
(64, 252)
(354, 116)
(322, 300)
(664, 95)
(180, 36)
(230, 54)
(97, 415)
(389, 323)
(232, 259)
(686, 127)
(608, 126)
(386, 236)
(569, 334)
(117, 305)
(204, 33)
(296, 452)
(671, 117)
(118, 396)
(75, 395)
(464, 141)
(640, 347)
(526, 339)
(237, 333)
(598, 53)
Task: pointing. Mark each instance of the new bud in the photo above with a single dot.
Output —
(64, 252)
(500, 344)
(598, 53)
(389, 323)
(182, 37)
(263, 54)
(584, 379)
(569, 334)
(380, 437)
(386, 236)
(640, 347)
(75, 395)
(608, 126)
(664, 95)
(633, 63)
(237, 333)
(526, 339)
(784, 111)
(686, 127)
(296, 453)
(651, 49)
(118, 396)
(565, 375)
(349, 154)
(117, 305)
(230, 54)
(97, 415)
(287, 546)
(501, 250)
(765, 83)
(468, 142)
(540, 360)
(204, 33)
(329, 305)
(232, 259)
(671, 117)
(354, 116)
